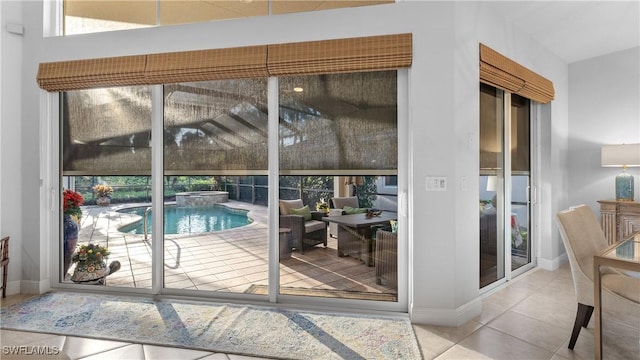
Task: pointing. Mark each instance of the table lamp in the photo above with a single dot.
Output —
(625, 155)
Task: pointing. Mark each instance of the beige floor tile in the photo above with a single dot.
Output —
(435, 340)
(217, 356)
(546, 335)
(509, 296)
(458, 352)
(497, 345)
(545, 308)
(490, 311)
(129, 352)
(78, 348)
(152, 352)
(558, 357)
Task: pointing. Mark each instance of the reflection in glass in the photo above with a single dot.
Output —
(216, 125)
(107, 132)
(493, 229)
(215, 163)
(491, 185)
(338, 139)
(520, 181)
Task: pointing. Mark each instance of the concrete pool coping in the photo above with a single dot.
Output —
(256, 213)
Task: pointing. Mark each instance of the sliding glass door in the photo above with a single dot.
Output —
(204, 151)
(215, 211)
(505, 207)
(338, 145)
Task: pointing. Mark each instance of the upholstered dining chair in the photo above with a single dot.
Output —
(307, 228)
(583, 238)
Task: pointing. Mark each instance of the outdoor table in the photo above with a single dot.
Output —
(354, 234)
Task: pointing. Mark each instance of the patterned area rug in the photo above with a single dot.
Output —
(227, 328)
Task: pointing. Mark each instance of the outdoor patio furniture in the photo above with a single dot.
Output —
(306, 233)
(341, 202)
(386, 258)
(335, 209)
(354, 234)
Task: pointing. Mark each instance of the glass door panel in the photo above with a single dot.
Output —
(520, 181)
(106, 159)
(215, 186)
(504, 198)
(491, 185)
(338, 139)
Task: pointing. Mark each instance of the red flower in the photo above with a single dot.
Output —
(71, 203)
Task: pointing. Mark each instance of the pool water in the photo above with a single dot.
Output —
(190, 220)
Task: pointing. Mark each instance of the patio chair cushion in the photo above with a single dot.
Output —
(285, 205)
(304, 211)
(314, 225)
(341, 202)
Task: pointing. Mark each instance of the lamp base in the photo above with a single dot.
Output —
(624, 187)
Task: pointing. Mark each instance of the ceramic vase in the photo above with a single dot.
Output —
(103, 201)
(88, 271)
(70, 241)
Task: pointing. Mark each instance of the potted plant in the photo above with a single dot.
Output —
(322, 206)
(91, 264)
(103, 193)
(71, 202)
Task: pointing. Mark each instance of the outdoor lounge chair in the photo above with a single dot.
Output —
(306, 233)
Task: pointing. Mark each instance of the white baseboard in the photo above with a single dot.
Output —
(553, 264)
(447, 317)
(34, 287)
(13, 287)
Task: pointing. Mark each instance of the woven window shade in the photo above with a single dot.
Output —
(373, 53)
(92, 73)
(342, 55)
(203, 65)
(499, 71)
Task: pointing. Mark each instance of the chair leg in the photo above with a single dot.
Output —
(582, 319)
(587, 316)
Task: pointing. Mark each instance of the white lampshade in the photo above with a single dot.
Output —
(620, 155)
(491, 183)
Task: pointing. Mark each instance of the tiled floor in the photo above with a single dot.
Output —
(531, 318)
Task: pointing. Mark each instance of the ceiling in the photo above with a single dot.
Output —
(576, 30)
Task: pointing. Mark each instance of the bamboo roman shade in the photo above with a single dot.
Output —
(345, 55)
(328, 56)
(499, 71)
(203, 65)
(92, 73)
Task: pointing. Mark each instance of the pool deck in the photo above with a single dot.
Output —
(232, 260)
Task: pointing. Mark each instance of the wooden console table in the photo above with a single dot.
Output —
(619, 219)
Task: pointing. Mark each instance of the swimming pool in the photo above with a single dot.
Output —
(189, 220)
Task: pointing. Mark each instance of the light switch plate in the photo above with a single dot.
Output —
(436, 183)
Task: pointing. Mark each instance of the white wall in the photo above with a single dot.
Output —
(11, 156)
(605, 109)
(443, 127)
